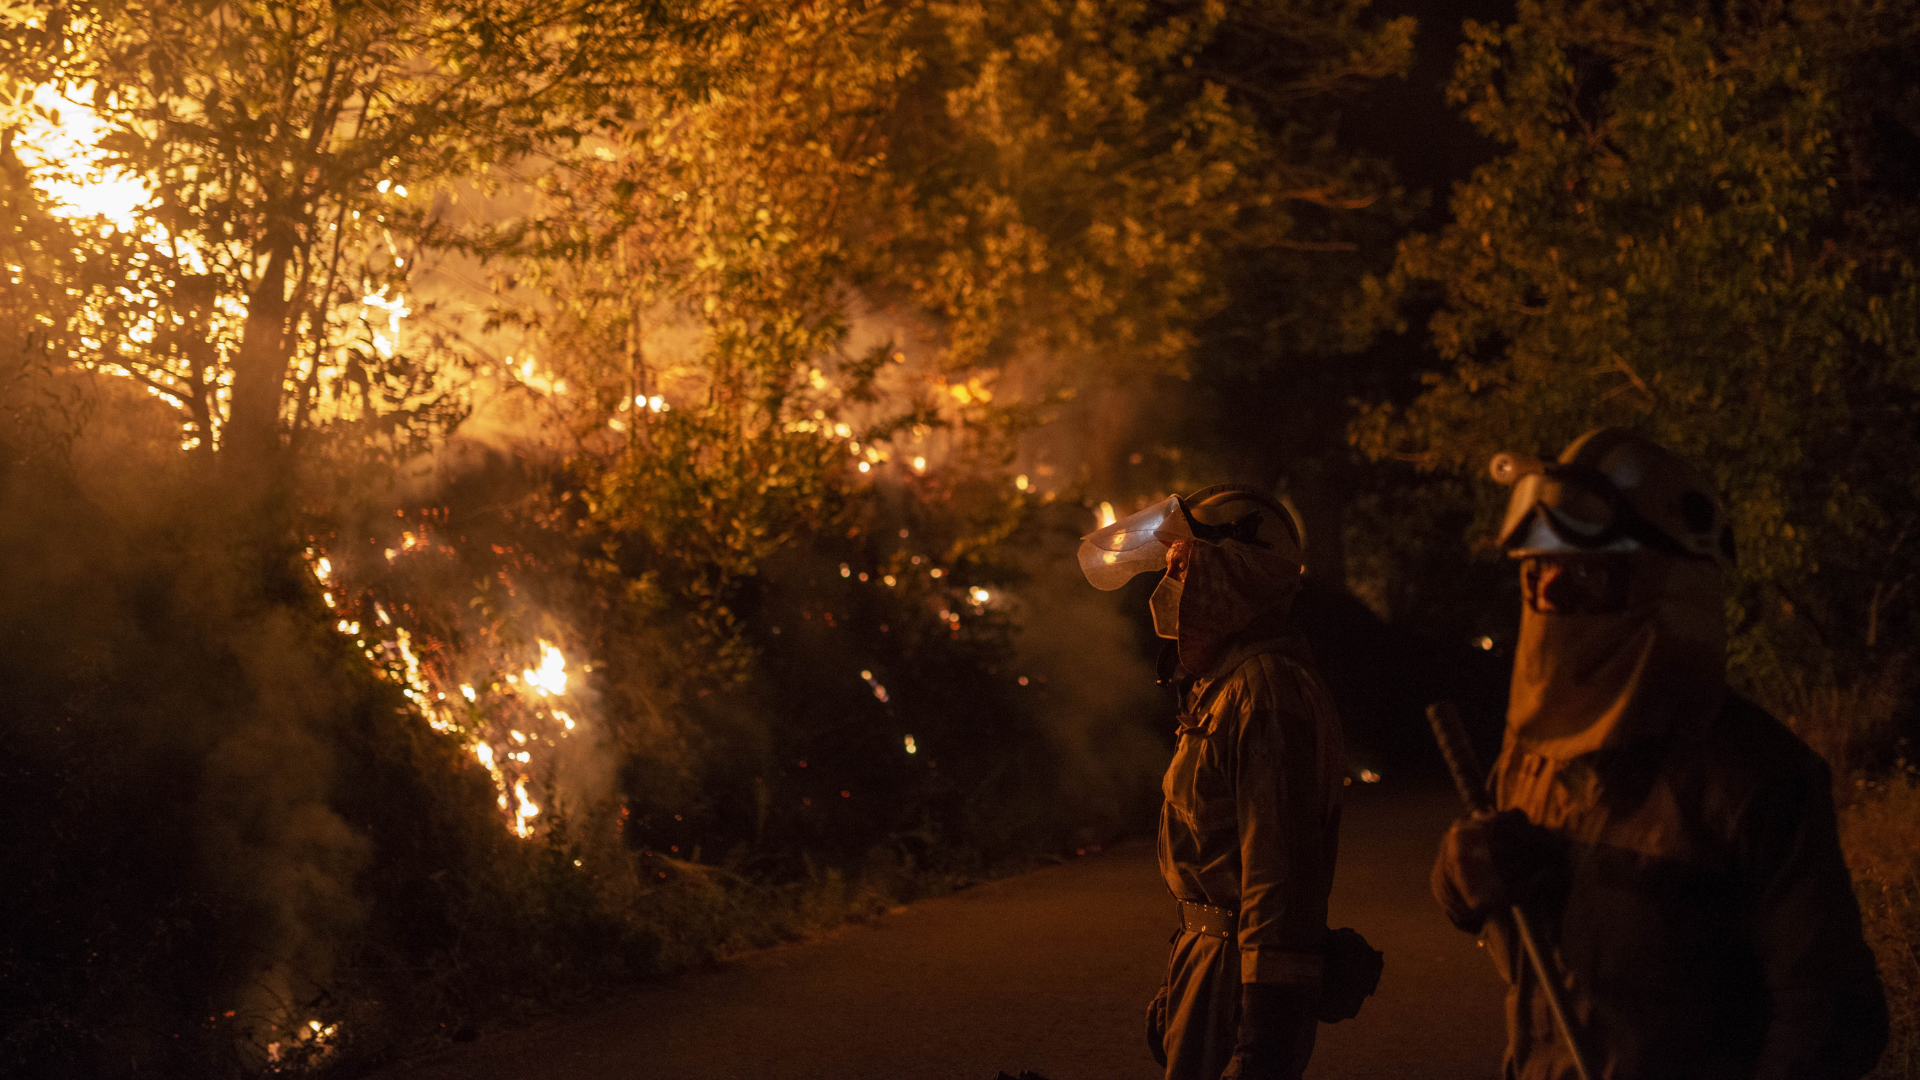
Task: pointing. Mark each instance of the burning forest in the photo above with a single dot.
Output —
(503, 500)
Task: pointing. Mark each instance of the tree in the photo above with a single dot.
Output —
(1667, 244)
(1054, 183)
(292, 152)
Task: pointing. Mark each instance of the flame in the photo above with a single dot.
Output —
(551, 676)
(505, 734)
(387, 342)
(524, 812)
(62, 145)
(1104, 516)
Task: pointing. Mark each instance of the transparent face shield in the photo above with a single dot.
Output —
(1136, 544)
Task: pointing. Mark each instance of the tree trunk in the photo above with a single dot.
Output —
(260, 368)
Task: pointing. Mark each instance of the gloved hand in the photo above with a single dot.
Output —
(1488, 862)
(1277, 1027)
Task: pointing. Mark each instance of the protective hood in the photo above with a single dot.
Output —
(1585, 682)
(1227, 587)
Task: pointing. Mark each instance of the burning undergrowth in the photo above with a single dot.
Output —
(297, 791)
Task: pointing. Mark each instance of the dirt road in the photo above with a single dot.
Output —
(1049, 971)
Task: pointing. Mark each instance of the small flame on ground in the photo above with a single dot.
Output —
(524, 812)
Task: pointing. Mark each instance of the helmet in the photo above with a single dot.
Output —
(1218, 514)
(1612, 490)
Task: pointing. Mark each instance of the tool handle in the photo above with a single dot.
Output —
(1550, 989)
(1451, 735)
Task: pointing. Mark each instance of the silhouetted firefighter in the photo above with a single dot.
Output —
(1671, 846)
(1251, 821)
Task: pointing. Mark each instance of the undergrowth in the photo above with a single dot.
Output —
(1857, 729)
(1880, 833)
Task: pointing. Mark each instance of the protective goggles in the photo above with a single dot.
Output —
(1580, 507)
(1138, 544)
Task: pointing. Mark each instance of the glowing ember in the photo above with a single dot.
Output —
(911, 748)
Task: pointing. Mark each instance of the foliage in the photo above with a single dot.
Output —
(1095, 166)
(290, 156)
(951, 186)
(1666, 243)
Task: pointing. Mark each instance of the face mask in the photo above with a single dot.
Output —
(1165, 605)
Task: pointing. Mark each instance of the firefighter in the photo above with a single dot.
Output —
(1251, 815)
(1673, 845)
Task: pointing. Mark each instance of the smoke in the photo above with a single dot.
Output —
(174, 715)
(1100, 706)
(269, 835)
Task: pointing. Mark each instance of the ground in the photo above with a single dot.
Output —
(1049, 972)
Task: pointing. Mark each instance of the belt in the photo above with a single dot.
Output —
(1210, 921)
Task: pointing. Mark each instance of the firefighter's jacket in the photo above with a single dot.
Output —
(1702, 915)
(1252, 811)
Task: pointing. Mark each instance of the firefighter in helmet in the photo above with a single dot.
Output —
(1251, 815)
(1674, 846)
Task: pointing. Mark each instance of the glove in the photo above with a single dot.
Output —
(1489, 862)
(1276, 1033)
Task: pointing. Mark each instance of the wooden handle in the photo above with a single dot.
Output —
(1455, 747)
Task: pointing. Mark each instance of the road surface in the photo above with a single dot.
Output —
(1049, 972)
